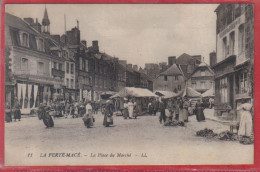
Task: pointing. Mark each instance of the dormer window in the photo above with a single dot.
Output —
(40, 45)
(25, 40)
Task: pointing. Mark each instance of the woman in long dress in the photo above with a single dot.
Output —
(46, 117)
(185, 111)
(246, 123)
(125, 110)
(131, 109)
(88, 117)
(8, 113)
(199, 111)
(17, 112)
(181, 113)
(108, 116)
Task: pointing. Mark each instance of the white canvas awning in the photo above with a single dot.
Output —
(190, 92)
(209, 93)
(165, 94)
(134, 92)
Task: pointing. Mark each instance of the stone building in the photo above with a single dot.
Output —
(172, 79)
(235, 56)
(31, 57)
(202, 78)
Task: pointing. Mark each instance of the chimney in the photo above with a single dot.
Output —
(95, 45)
(129, 66)
(29, 20)
(56, 38)
(135, 67)
(84, 42)
(212, 58)
(37, 26)
(122, 62)
(171, 60)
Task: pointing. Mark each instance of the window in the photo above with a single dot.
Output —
(40, 68)
(232, 42)
(247, 41)
(165, 78)
(202, 84)
(72, 68)
(241, 39)
(60, 66)
(67, 82)
(193, 84)
(55, 65)
(32, 42)
(223, 90)
(243, 83)
(86, 65)
(80, 64)
(72, 83)
(24, 64)
(67, 67)
(176, 77)
(224, 47)
(202, 72)
(15, 37)
(40, 45)
(179, 87)
(25, 40)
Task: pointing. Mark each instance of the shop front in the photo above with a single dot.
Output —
(225, 86)
(30, 92)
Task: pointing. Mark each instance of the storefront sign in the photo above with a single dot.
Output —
(230, 27)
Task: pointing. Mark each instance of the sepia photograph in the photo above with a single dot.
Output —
(129, 84)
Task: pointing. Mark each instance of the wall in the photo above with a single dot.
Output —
(170, 84)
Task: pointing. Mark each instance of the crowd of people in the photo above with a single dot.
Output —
(176, 109)
(170, 110)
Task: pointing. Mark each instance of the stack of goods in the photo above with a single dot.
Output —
(228, 136)
(172, 123)
(206, 133)
(246, 140)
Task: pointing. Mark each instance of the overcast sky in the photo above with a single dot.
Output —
(138, 33)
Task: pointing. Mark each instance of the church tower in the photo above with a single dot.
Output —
(46, 23)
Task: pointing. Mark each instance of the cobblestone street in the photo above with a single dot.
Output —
(28, 141)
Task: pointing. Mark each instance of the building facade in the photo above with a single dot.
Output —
(202, 78)
(172, 79)
(31, 58)
(235, 56)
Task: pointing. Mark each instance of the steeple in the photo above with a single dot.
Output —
(46, 22)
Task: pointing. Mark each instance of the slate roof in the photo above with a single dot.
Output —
(173, 70)
(16, 22)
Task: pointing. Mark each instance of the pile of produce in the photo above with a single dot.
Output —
(228, 136)
(172, 123)
(206, 133)
(246, 140)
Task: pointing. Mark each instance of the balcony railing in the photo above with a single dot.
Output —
(59, 73)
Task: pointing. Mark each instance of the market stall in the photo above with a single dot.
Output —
(209, 93)
(165, 94)
(142, 97)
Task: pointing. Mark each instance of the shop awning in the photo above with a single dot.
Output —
(209, 93)
(190, 92)
(134, 92)
(165, 94)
